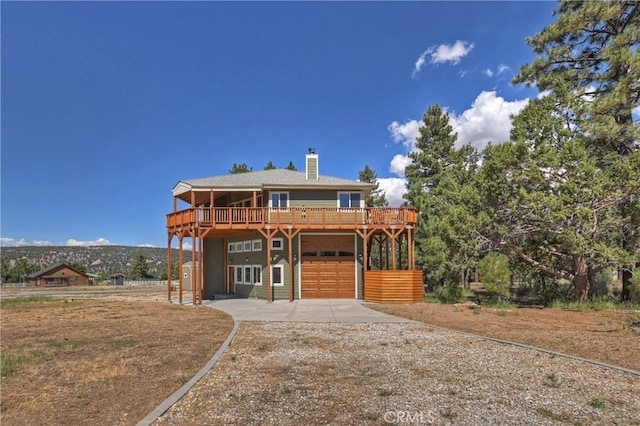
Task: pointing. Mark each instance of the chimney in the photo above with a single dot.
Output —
(312, 165)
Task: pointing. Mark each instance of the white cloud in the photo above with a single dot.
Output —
(394, 189)
(636, 111)
(488, 72)
(41, 243)
(12, 242)
(399, 163)
(443, 53)
(463, 73)
(502, 68)
(146, 245)
(543, 94)
(419, 63)
(488, 120)
(405, 133)
(99, 242)
(450, 53)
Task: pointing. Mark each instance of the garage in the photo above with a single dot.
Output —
(328, 267)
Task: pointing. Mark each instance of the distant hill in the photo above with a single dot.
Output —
(96, 259)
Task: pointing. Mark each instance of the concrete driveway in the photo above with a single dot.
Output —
(310, 310)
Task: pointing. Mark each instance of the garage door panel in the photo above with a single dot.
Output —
(331, 272)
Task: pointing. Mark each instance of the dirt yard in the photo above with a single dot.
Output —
(607, 336)
(79, 361)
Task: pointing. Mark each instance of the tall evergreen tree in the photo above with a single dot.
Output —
(440, 183)
(139, 268)
(589, 59)
(270, 166)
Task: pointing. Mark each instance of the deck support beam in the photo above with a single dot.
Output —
(169, 271)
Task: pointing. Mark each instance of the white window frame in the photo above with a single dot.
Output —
(239, 246)
(231, 248)
(361, 204)
(247, 246)
(244, 274)
(253, 277)
(256, 245)
(281, 243)
(273, 267)
(235, 274)
(279, 207)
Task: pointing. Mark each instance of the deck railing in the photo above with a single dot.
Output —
(255, 217)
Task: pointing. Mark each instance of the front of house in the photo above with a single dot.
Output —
(283, 234)
(59, 275)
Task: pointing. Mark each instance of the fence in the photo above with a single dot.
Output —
(16, 285)
(148, 282)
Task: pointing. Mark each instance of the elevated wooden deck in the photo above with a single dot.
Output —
(247, 218)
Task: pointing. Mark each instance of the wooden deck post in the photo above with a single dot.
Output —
(169, 272)
(194, 267)
(180, 261)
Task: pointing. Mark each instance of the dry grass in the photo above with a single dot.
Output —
(605, 336)
(81, 361)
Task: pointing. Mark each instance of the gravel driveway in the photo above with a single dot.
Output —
(288, 373)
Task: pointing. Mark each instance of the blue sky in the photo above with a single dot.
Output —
(106, 106)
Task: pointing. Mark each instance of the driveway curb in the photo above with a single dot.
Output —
(177, 395)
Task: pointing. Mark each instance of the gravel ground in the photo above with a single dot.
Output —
(352, 374)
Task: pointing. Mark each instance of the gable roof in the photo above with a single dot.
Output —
(47, 270)
(268, 179)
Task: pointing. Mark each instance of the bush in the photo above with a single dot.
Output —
(602, 283)
(634, 287)
(495, 274)
(449, 293)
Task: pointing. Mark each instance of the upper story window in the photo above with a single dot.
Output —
(279, 199)
(349, 199)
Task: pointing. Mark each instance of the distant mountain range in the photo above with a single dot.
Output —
(96, 259)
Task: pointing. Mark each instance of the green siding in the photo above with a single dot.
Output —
(213, 267)
(321, 198)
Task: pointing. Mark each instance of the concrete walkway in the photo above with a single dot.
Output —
(310, 310)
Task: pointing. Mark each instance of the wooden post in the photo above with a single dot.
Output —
(201, 262)
(290, 234)
(180, 261)
(194, 267)
(365, 234)
(169, 272)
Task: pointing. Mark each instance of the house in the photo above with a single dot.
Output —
(283, 234)
(59, 275)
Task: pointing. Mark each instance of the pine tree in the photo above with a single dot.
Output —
(589, 60)
(240, 168)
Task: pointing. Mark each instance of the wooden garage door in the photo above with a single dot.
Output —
(328, 266)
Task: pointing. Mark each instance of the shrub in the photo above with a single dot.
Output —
(449, 293)
(495, 274)
(602, 283)
(634, 288)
